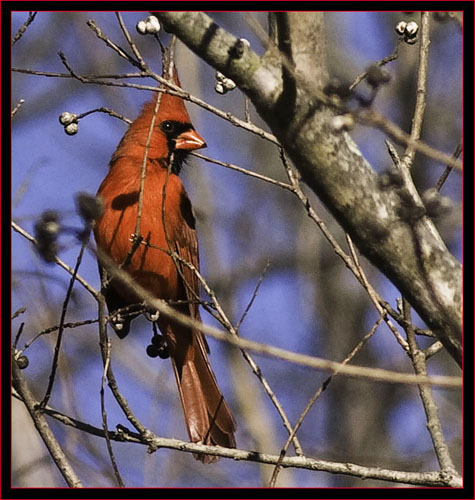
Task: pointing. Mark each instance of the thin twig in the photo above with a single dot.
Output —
(121, 434)
(430, 478)
(377, 120)
(123, 312)
(171, 89)
(294, 188)
(448, 168)
(430, 407)
(247, 114)
(108, 111)
(22, 29)
(433, 349)
(418, 357)
(120, 51)
(57, 347)
(383, 61)
(143, 168)
(52, 329)
(43, 428)
(317, 394)
(103, 342)
(137, 54)
(253, 297)
(408, 159)
(244, 171)
(95, 78)
(17, 107)
(168, 71)
(106, 347)
(372, 296)
(18, 312)
(17, 339)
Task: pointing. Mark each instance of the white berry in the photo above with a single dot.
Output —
(72, 128)
(229, 84)
(141, 27)
(411, 29)
(220, 77)
(66, 118)
(153, 25)
(400, 27)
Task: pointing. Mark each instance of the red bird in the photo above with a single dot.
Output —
(208, 417)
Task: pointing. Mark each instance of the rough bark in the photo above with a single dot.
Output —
(408, 250)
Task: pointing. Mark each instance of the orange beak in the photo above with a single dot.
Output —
(189, 141)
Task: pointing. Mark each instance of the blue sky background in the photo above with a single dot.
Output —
(308, 301)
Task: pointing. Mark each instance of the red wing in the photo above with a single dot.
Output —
(186, 244)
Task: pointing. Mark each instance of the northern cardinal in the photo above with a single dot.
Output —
(208, 417)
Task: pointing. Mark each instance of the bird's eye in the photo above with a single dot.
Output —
(168, 126)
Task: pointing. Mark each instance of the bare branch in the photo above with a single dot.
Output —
(17, 107)
(64, 309)
(421, 89)
(22, 29)
(43, 428)
(435, 478)
(432, 414)
(121, 52)
(448, 168)
(106, 350)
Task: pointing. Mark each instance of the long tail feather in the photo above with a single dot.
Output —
(207, 415)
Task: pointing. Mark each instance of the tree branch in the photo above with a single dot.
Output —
(431, 478)
(408, 250)
(43, 428)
